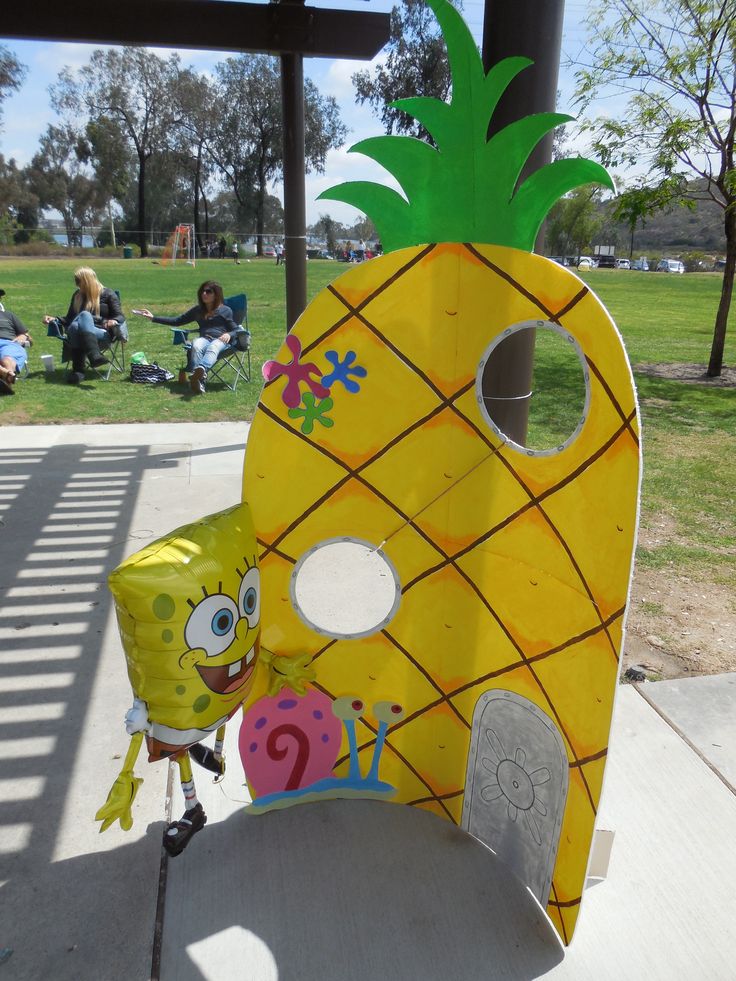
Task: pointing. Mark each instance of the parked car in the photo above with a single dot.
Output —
(585, 262)
(642, 264)
(624, 264)
(269, 252)
(671, 266)
(606, 262)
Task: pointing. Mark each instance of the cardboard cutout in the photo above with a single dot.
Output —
(485, 692)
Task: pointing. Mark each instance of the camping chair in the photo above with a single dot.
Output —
(114, 344)
(234, 360)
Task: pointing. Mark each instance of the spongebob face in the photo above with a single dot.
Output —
(189, 610)
(219, 633)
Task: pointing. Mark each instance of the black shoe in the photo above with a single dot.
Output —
(205, 757)
(75, 377)
(179, 833)
(97, 361)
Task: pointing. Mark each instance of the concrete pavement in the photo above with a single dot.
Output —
(330, 891)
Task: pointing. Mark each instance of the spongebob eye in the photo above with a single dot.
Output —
(211, 625)
(222, 622)
(348, 707)
(388, 712)
(250, 597)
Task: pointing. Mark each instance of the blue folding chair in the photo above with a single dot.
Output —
(233, 361)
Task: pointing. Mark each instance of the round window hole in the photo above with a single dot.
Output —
(557, 394)
(345, 588)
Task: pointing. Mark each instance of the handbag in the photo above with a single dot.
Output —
(149, 374)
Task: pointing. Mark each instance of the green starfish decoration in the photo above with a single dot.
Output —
(312, 412)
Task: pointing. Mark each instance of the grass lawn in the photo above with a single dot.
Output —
(36, 287)
(689, 429)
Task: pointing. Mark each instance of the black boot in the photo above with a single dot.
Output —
(76, 375)
(92, 350)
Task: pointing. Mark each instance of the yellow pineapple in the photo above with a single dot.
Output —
(513, 566)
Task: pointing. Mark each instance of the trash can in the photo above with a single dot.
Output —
(127, 252)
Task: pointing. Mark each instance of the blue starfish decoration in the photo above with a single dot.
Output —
(341, 370)
(312, 412)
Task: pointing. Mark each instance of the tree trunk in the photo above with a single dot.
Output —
(197, 237)
(719, 334)
(142, 205)
(260, 208)
(69, 226)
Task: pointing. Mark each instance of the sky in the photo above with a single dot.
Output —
(27, 112)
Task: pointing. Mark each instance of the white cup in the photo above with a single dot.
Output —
(48, 362)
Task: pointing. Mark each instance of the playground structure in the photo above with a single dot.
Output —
(180, 245)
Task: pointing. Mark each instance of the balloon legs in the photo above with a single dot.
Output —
(179, 833)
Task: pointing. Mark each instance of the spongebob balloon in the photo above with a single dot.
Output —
(188, 608)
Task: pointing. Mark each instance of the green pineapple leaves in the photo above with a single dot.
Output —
(464, 189)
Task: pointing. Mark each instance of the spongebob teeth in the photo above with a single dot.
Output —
(234, 668)
(250, 655)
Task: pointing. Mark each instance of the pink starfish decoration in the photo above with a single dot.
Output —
(296, 373)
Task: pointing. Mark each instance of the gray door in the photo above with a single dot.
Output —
(516, 786)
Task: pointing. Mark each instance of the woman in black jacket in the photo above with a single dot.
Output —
(94, 315)
(216, 327)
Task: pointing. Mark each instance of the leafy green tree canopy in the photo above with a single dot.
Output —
(12, 73)
(416, 65)
(674, 62)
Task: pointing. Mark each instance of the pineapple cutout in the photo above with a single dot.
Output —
(485, 690)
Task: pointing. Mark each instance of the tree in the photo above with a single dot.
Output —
(574, 222)
(134, 87)
(675, 62)
(18, 203)
(195, 96)
(12, 73)
(247, 143)
(416, 66)
(329, 229)
(638, 203)
(57, 178)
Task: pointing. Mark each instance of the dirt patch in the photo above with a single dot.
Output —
(17, 416)
(691, 373)
(678, 626)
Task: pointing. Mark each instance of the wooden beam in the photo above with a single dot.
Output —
(278, 28)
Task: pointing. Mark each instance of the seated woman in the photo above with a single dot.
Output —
(216, 326)
(93, 317)
(14, 338)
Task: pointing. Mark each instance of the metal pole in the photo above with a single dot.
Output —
(295, 211)
(532, 28)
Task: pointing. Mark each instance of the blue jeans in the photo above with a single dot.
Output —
(82, 324)
(9, 349)
(205, 351)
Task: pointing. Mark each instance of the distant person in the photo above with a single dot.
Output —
(222, 245)
(14, 339)
(279, 253)
(361, 251)
(94, 317)
(236, 254)
(216, 327)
